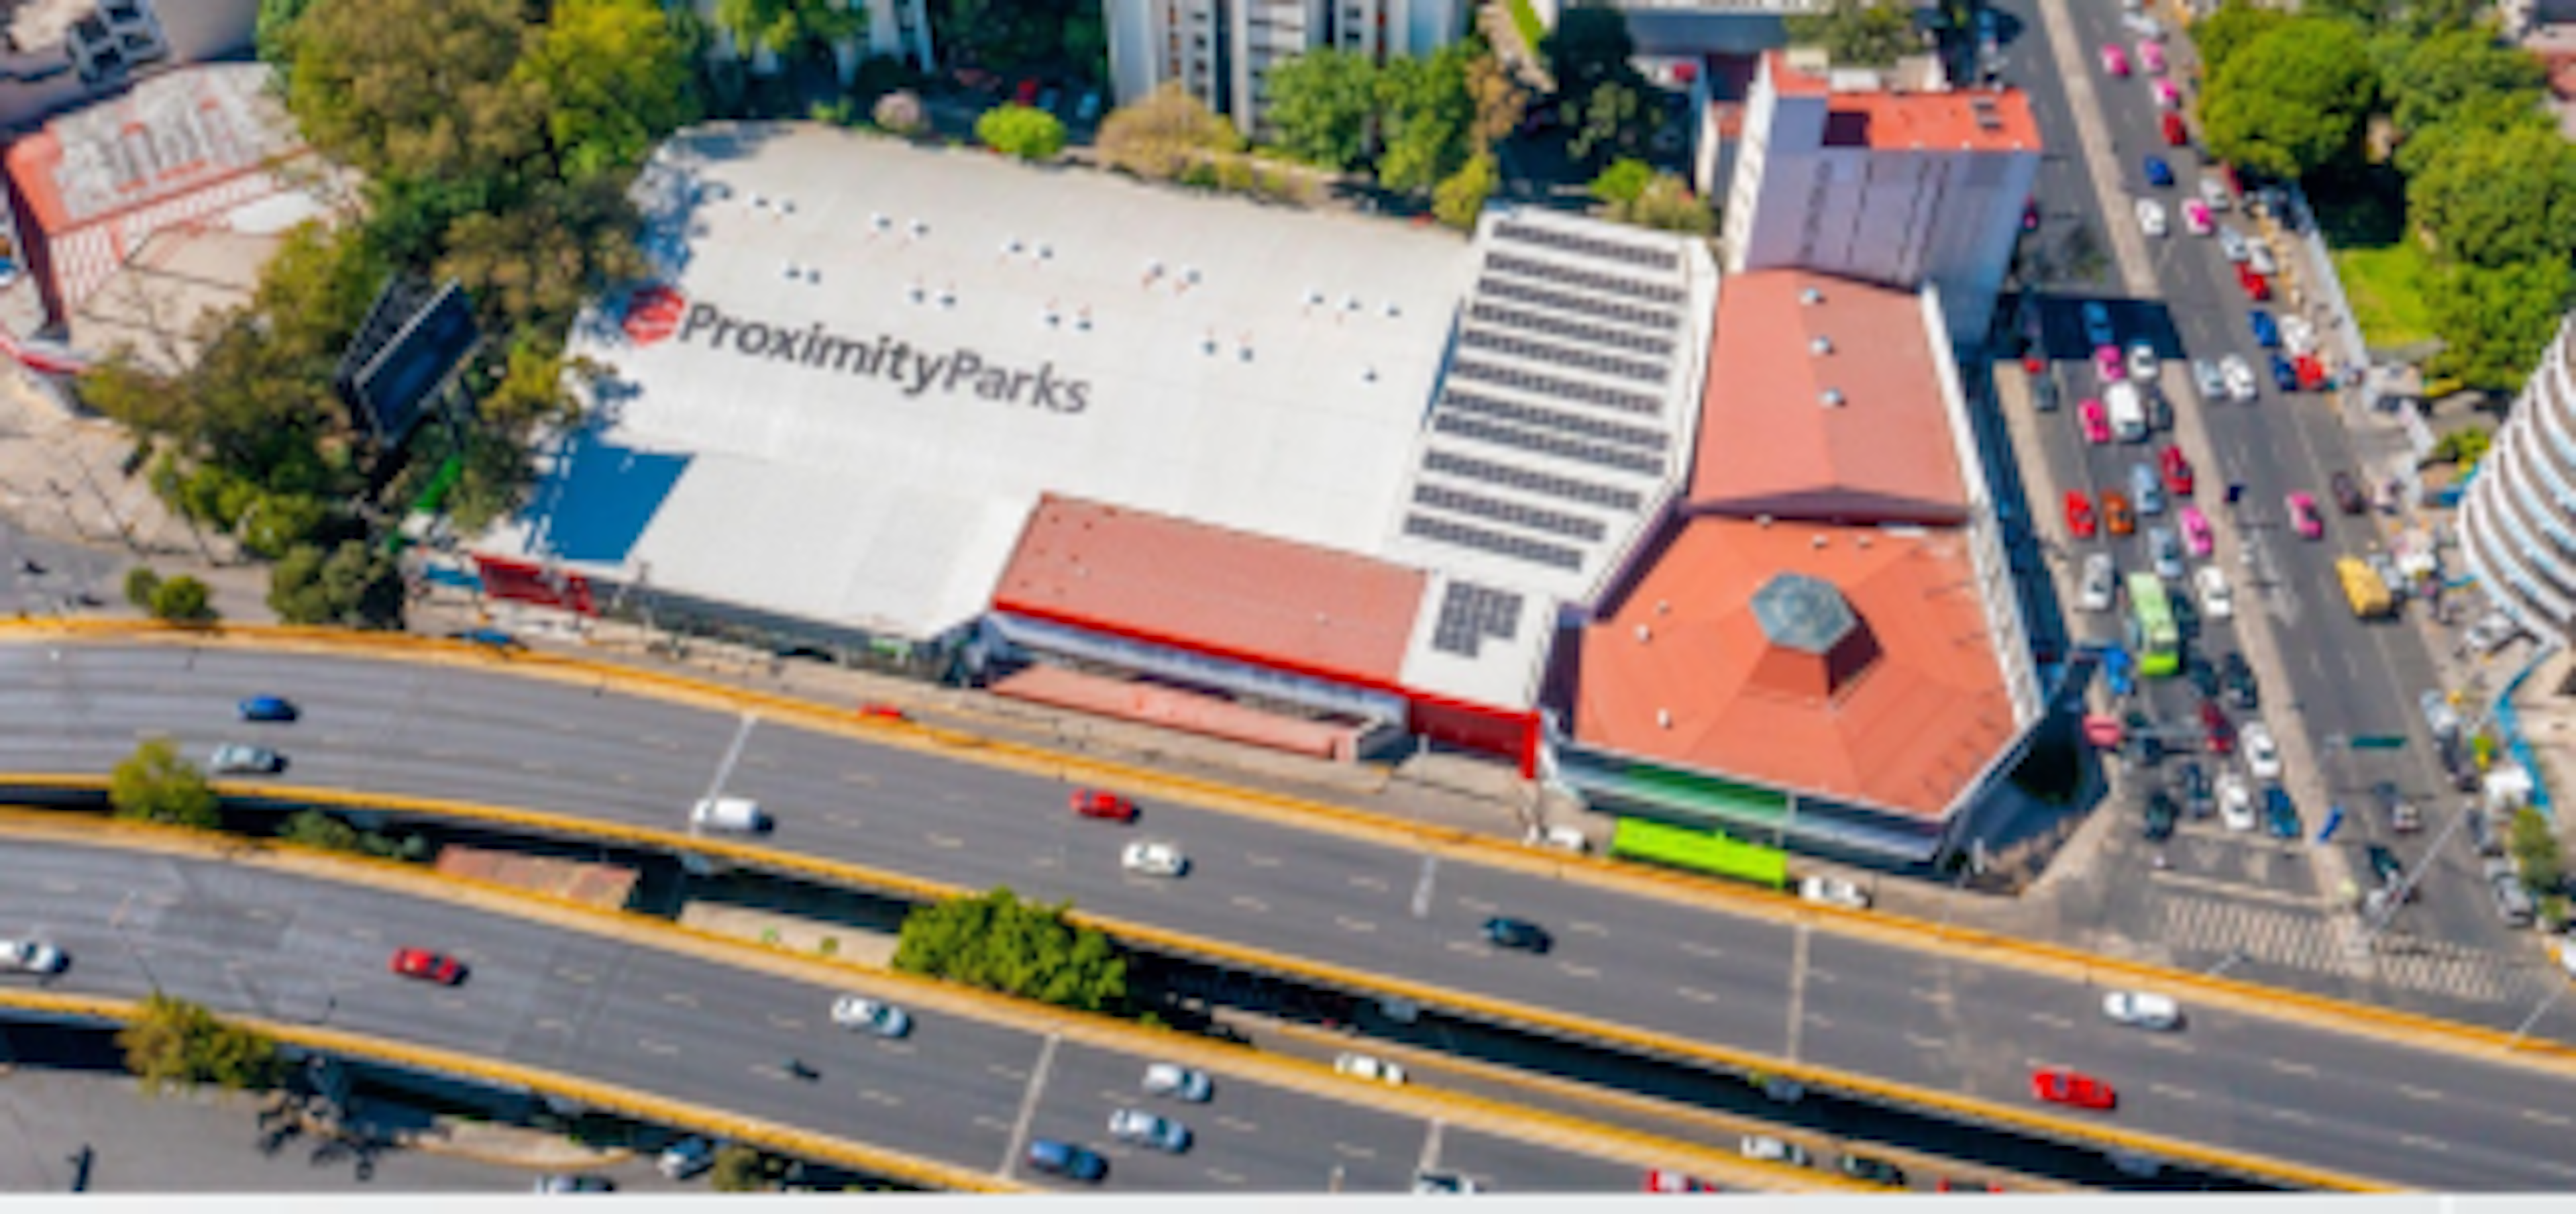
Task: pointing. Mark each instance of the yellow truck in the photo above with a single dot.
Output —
(2363, 589)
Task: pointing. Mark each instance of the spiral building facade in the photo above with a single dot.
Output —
(2518, 523)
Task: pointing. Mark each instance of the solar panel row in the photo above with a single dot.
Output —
(1546, 271)
(1580, 360)
(1443, 531)
(1556, 389)
(1550, 419)
(1590, 246)
(1573, 329)
(1656, 319)
(1547, 444)
(1441, 497)
(1468, 467)
(1469, 613)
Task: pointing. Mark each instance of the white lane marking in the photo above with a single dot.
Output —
(1478, 905)
(59, 886)
(576, 977)
(1589, 928)
(987, 1122)
(732, 755)
(1422, 886)
(1258, 861)
(365, 933)
(1254, 905)
(1921, 1042)
(621, 777)
(2284, 1114)
(1042, 862)
(1348, 924)
(950, 842)
(1578, 971)
(2169, 1090)
(1797, 992)
(2547, 1118)
(650, 1046)
(1817, 975)
(2422, 1143)
(1696, 949)
(1470, 946)
(2419, 1093)
(540, 766)
(1028, 1105)
(682, 998)
(1368, 882)
(1819, 1021)
(1694, 994)
(867, 779)
(2287, 1067)
(2175, 1044)
(553, 1025)
(1238, 1125)
(1344, 1148)
(1430, 1159)
(2052, 1020)
(894, 1047)
(873, 1096)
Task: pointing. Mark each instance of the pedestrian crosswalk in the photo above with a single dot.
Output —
(2203, 931)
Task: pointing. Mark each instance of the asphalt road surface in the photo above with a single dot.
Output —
(313, 951)
(1689, 972)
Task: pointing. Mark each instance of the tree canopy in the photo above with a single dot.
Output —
(999, 943)
(1666, 204)
(617, 79)
(2495, 322)
(173, 1043)
(1460, 197)
(2291, 100)
(2500, 198)
(2236, 24)
(1164, 133)
(1020, 130)
(1858, 33)
(2440, 74)
(353, 585)
(154, 784)
(1324, 106)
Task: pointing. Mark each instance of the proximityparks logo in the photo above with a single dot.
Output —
(659, 313)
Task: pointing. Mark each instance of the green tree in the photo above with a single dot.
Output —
(1611, 122)
(1023, 131)
(2535, 851)
(1427, 116)
(617, 79)
(2500, 198)
(1590, 46)
(999, 943)
(1623, 181)
(1460, 197)
(741, 1169)
(155, 785)
(2235, 25)
(182, 600)
(1164, 133)
(2440, 73)
(2292, 100)
(1324, 105)
(316, 829)
(275, 24)
(172, 1043)
(1499, 99)
(2495, 322)
(1858, 33)
(351, 586)
(1666, 204)
(2476, 117)
(140, 582)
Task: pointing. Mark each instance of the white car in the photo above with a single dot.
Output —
(1149, 1130)
(2213, 192)
(2235, 802)
(2239, 376)
(2151, 217)
(2262, 754)
(875, 1015)
(1773, 1150)
(31, 956)
(1558, 838)
(2217, 601)
(2297, 335)
(2101, 582)
(235, 759)
(2258, 256)
(1178, 1082)
(1153, 858)
(2231, 243)
(1376, 1070)
(1833, 891)
(687, 1158)
(2141, 1010)
(2143, 362)
(2166, 552)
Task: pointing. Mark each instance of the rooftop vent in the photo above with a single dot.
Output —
(1987, 117)
(1082, 320)
(1313, 297)
(1392, 311)
(1831, 398)
(1820, 344)
(1664, 718)
(1810, 295)
(1761, 520)
(920, 228)
(1816, 542)
(1644, 634)
(1046, 252)
(879, 221)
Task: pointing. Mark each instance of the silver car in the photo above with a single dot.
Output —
(1178, 1082)
(235, 759)
(2146, 489)
(1149, 1130)
(2101, 581)
(2231, 242)
(2167, 552)
(2205, 376)
(31, 956)
(2240, 377)
(2258, 257)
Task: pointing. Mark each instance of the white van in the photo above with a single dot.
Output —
(740, 815)
(2128, 413)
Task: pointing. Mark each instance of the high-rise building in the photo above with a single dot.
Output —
(1222, 51)
(1840, 174)
(2518, 522)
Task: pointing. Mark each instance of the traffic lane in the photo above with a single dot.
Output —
(1907, 1017)
(1245, 1136)
(1509, 1166)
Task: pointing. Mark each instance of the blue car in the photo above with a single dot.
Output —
(2284, 376)
(2280, 813)
(2158, 172)
(267, 708)
(2266, 334)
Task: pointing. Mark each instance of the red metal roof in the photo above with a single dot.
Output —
(1683, 673)
(1992, 120)
(1213, 590)
(1769, 441)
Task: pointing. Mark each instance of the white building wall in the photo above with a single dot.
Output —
(2518, 521)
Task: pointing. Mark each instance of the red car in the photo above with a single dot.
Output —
(1665, 1180)
(2057, 1085)
(2177, 470)
(2221, 732)
(1096, 803)
(2079, 515)
(2257, 287)
(2176, 134)
(428, 966)
(1028, 92)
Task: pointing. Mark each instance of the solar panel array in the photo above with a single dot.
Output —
(1469, 613)
(1554, 425)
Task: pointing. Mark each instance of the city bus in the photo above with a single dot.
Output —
(1704, 851)
(2153, 639)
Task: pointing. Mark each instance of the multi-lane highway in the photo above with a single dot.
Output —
(2256, 1085)
(304, 950)
(2332, 676)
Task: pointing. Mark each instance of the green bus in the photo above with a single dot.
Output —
(1704, 851)
(2152, 635)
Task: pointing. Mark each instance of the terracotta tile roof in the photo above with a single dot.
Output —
(1996, 120)
(1768, 442)
(1213, 590)
(1905, 727)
